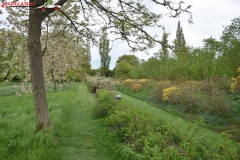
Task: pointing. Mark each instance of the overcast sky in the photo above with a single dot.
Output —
(209, 17)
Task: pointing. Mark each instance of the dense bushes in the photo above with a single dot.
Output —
(157, 92)
(192, 96)
(136, 85)
(194, 100)
(106, 100)
(144, 137)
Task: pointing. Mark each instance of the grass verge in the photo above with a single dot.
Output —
(76, 135)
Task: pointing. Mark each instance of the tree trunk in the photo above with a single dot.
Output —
(38, 87)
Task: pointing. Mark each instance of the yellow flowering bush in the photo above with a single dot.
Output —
(143, 80)
(144, 83)
(168, 92)
(235, 86)
(128, 80)
(136, 87)
(157, 93)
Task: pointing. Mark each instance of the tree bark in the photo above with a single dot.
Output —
(38, 87)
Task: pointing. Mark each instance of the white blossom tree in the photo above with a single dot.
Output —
(58, 59)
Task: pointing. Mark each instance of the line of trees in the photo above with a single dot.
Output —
(217, 59)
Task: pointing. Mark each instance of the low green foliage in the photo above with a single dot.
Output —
(106, 100)
(144, 137)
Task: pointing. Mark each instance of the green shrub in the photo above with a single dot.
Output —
(142, 137)
(129, 124)
(106, 100)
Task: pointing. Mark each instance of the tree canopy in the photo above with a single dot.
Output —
(104, 50)
(131, 59)
(179, 41)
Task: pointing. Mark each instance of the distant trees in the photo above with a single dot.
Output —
(124, 64)
(86, 59)
(104, 50)
(215, 60)
(179, 42)
(131, 59)
(122, 70)
(230, 47)
(164, 53)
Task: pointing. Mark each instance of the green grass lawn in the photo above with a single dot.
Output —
(76, 135)
(8, 89)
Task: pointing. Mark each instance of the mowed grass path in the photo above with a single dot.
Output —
(81, 137)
